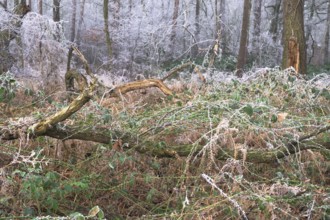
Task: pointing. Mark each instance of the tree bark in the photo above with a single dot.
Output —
(106, 136)
(224, 39)
(40, 7)
(273, 29)
(73, 21)
(106, 27)
(5, 4)
(174, 21)
(294, 53)
(72, 32)
(309, 36)
(194, 49)
(56, 10)
(81, 19)
(256, 29)
(327, 38)
(242, 54)
(215, 48)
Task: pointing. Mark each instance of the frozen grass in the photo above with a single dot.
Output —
(263, 111)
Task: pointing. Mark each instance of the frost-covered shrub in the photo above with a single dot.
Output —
(41, 47)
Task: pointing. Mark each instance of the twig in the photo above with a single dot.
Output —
(222, 193)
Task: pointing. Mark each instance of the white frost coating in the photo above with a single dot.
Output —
(7, 20)
(43, 46)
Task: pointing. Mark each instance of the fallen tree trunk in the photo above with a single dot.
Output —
(106, 136)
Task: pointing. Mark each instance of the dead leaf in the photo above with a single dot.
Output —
(281, 116)
(117, 146)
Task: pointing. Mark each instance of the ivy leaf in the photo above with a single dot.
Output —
(248, 109)
(2, 92)
(274, 118)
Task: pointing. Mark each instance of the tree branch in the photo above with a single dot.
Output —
(141, 84)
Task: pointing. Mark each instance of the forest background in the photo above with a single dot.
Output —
(236, 124)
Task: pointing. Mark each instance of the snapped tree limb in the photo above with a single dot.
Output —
(141, 84)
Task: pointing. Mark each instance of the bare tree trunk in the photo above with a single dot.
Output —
(116, 14)
(326, 38)
(217, 33)
(106, 27)
(130, 6)
(73, 21)
(5, 4)
(223, 37)
(56, 10)
(40, 7)
(30, 4)
(72, 32)
(294, 53)
(244, 38)
(217, 19)
(174, 21)
(275, 20)
(309, 37)
(81, 19)
(194, 49)
(256, 29)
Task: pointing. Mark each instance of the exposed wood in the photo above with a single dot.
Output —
(293, 57)
(87, 93)
(294, 35)
(141, 84)
(176, 70)
(73, 75)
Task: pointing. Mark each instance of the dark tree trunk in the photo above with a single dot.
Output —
(256, 30)
(5, 4)
(106, 27)
(294, 53)
(56, 10)
(224, 38)
(73, 32)
(194, 49)
(275, 19)
(40, 7)
(310, 43)
(326, 38)
(81, 19)
(244, 38)
(174, 21)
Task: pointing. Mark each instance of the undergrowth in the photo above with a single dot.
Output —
(55, 179)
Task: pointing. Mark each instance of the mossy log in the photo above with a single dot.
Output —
(106, 136)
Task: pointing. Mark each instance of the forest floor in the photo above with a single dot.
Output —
(264, 111)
